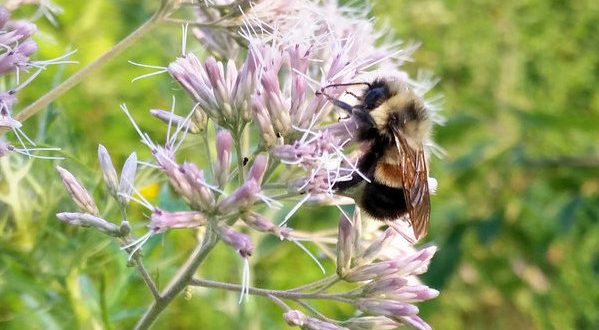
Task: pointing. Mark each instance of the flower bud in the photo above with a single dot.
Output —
(262, 119)
(27, 48)
(372, 323)
(23, 29)
(189, 72)
(412, 293)
(240, 242)
(17, 58)
(127, 182)
(258, 169)
(173, 119)
(415, 322)
(299, 319)
(295, 318)
(414, 264)
(383, 286)
(79, 195)
(108, 170)
(261, 224)
(161, 220)
(224, 144)
(202, 197)
(345, 245)
(379, 244)
(385, 307)
(241, 198)
(199, 120)
(88, 220)
(4, 16)
(174, 173)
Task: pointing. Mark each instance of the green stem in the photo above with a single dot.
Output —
(146, 277)
(283, 294)
(314, 285)
(180, 281)
(66, 85)
(239, 150)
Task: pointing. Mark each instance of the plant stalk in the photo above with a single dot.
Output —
(180, 280)
(76, 78)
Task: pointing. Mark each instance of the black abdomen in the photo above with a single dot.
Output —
(383, 202)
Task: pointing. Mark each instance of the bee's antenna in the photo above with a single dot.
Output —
(348, 84)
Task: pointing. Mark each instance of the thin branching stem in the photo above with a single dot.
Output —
(315, 285)
(282, 294)
(76, 78)
(239, 150)
(146, 277)
(180, 280)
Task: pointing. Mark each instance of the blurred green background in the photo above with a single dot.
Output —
(515, 216)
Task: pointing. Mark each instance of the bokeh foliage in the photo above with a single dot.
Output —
(515, 216)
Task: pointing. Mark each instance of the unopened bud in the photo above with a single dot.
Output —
(78, 193)
(345, 245)
(24, 29)
(299, 319)
(240, 242)
(386, 307)
(127, 178)
(199, 119)
(108, 171)
(372, 323)
(175, 120)
(88, 220)
(161, 220)
(261, 224)
(202, 197)
(416, 322)
(414, 264)
(262, 119)
(241, 198)
(224, 145)
(258, 169)
(379, 244)
(4, 16)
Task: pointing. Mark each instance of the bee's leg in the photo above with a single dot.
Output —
(367, 128)
(366, 166)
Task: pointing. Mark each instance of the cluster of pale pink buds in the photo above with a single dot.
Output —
(15, 40)
(207, 199)
(389, 286)
(222, 92)
(16, 48)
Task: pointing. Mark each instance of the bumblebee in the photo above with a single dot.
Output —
(395, 125)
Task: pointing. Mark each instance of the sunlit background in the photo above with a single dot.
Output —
(515, 215)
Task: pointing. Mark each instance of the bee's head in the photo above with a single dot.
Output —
(393, 106)
(375, 94)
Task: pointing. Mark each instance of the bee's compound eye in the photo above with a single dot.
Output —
(375, 96)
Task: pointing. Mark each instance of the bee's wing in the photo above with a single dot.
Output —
(414, 175)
